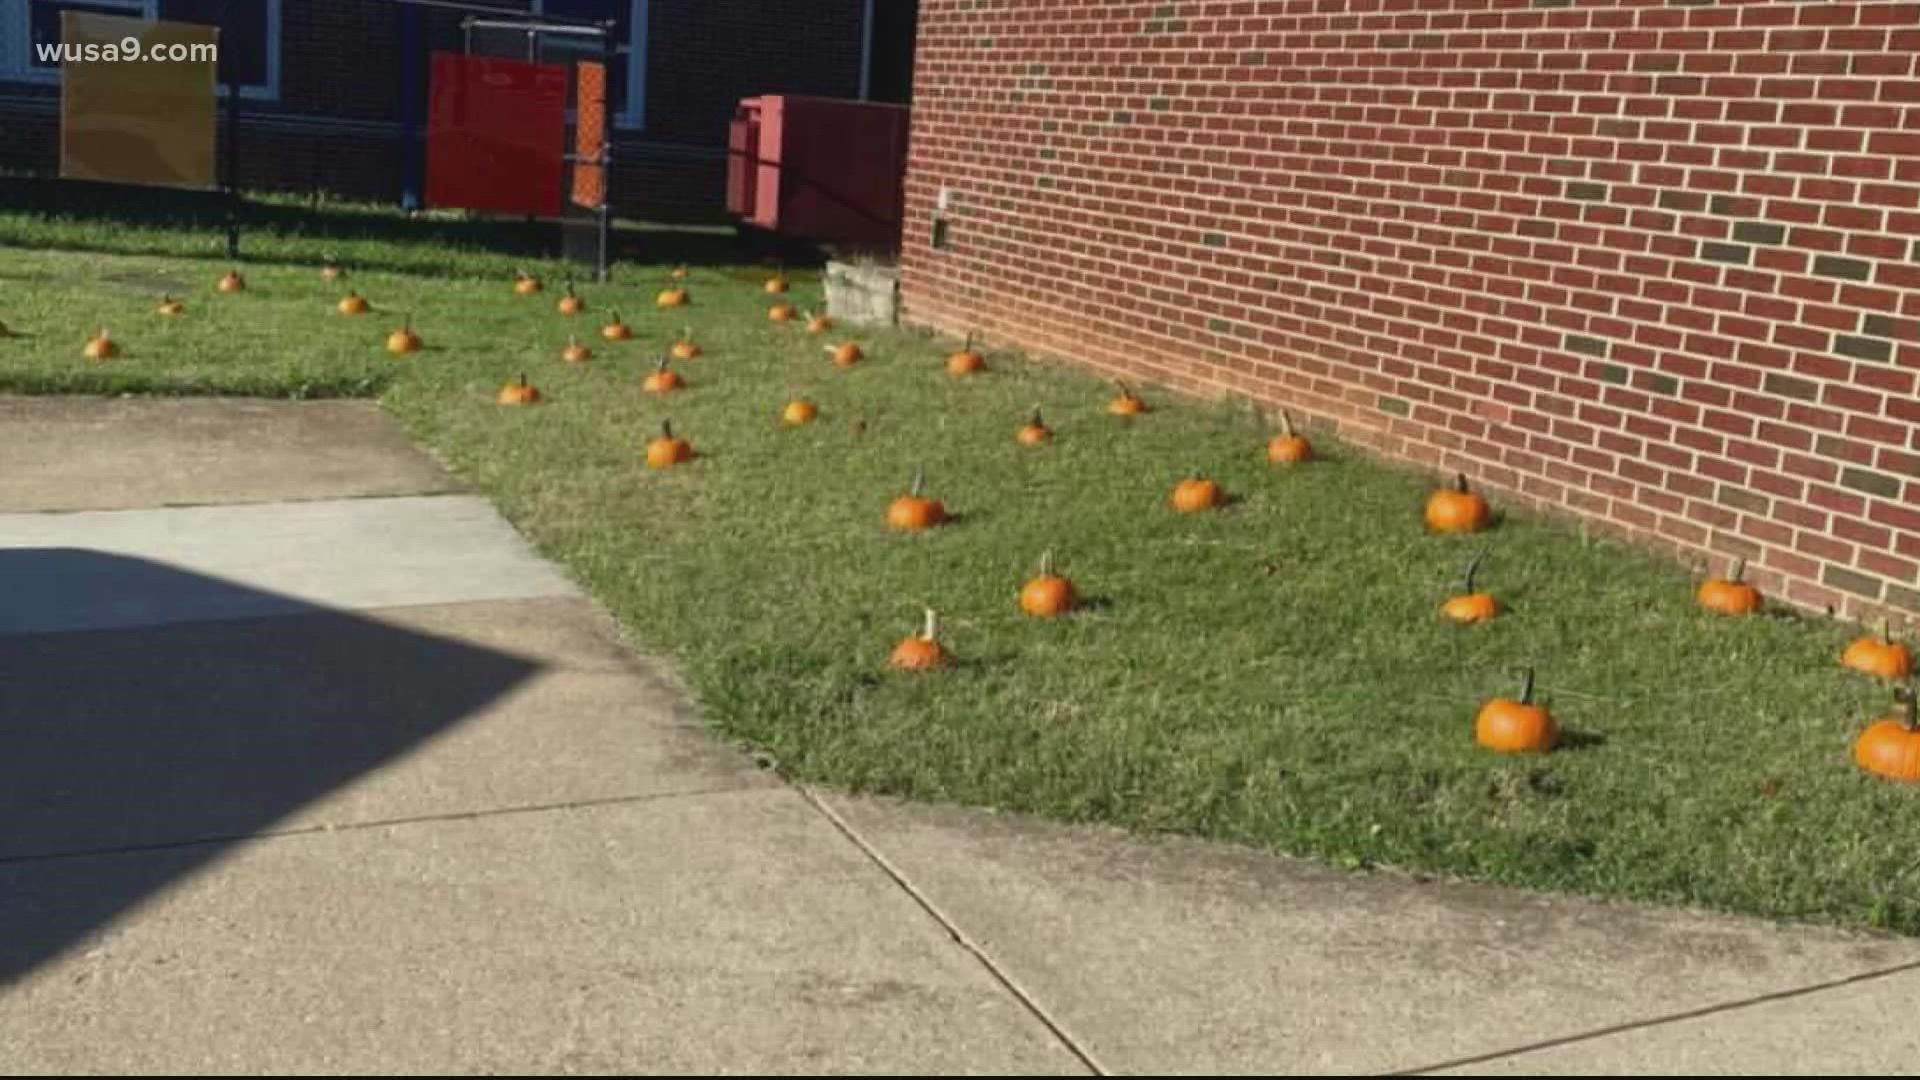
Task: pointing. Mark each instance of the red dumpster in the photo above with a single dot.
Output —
(819, 168)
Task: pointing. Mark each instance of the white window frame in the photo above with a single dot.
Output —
(634, 116)
(16, 48)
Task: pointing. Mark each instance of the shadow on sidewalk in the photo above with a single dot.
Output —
(192, 735)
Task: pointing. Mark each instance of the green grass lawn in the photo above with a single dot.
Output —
(1274, 673)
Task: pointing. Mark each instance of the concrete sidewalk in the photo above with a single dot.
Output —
(311, 765)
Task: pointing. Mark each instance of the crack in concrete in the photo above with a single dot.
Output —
(973, 948)
(1663, 1020)
(356, 826)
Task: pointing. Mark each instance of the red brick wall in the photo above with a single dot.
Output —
(1650, 262)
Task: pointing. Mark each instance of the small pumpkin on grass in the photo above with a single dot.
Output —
(352, 304)
(1517, 725)
(1288, 447)
(686, 348)
(781, 313)
(617, 330)
(330, 270)
(776, 284)
(1048, 595)
(100, 346)
(914, 511)
(570, 303)
(1034, 432)
(518, 392)
(666, 450)
(922, 651)
(674, 296)
(678, 273)
(818, 324)
(575, 353)
(662, 379)
(1470, 606)
(798, 411)
(525, 284)
(404, 340)
(1196, 493)
(846, 354)
(1891, 746)
(231, 282)
(965, 362)
(1729, 595)
(1881, 657)
(170, 308)
(1127, 403)
(1456, 509)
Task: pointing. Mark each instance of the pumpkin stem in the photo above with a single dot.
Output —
(1036, 421)
(666, 429)
(931, 632)
(1460, 482)
(1739, 568)
(1286, 428)
(523, 380)
(662, 366)
(919, 484)
(1910, 704)
(1046, 563)
(1473, 566)
(968, 347)
(686, 333)
(1886, 631)
(1526, 685)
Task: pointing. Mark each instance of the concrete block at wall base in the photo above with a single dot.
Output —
(864, 294)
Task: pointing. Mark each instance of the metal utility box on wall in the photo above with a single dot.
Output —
(819, 168)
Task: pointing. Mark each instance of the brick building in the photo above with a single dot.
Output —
(335, 89)
(1655, 263)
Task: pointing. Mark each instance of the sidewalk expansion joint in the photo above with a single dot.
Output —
(1669, 1018)
(264, 500)
(958, 935)
(382, 823)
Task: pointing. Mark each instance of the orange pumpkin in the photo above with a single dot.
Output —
(666, 450)
(352, 304)
(231, 282)
(1457, 510)
(914, 512)
(1881, 657)
(1048, 595)
(1470, 606)
(1516, 726)
(799, 411)
(662, 380)
(575, 353)
(965, 362)
(776, 284)
(570, 304)
(781, 313)
(678, 273)
(520, 392)
(921, 652)
(404, 340)
(1034, 431)
(330, 270)
(845, 354)
(100, 346)
(1891, 747)
(1127, 404)
(676, 296)
(685, 348)
(1288, 448)
(1729, 595)
(1196, 493)
(617, 330)
(818, 324)
(170, 308)
(525, 284)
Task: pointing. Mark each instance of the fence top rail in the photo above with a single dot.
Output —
(531, 27)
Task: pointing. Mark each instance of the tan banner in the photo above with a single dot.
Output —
(148, 119)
